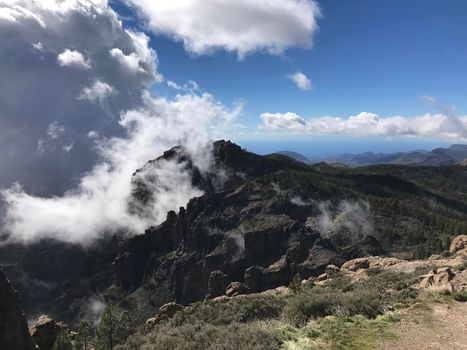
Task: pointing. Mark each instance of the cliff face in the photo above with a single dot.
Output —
(242, 229)
(14, 334)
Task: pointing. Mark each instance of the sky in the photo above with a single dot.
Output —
(91, 90)
(381, 57)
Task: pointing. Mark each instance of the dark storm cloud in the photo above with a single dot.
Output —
(54, 57)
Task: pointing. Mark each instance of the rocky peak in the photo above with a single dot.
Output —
(14, 333)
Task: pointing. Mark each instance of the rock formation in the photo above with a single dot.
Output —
(14, 333)
(242, 230)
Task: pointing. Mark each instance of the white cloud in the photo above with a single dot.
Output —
(439, 126)
(73, 58)
(301, 80)
(50, 133)
(241, 26)
(100, 203)
(41, 36)
(189, 86)
(98, 91)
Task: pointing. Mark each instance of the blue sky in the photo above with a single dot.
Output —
(86, 98)
(374, 56)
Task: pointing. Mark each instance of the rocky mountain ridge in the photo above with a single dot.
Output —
(246, 228)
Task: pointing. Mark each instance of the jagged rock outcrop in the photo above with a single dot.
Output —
(243, 229)
(236, 288)
(166, 312)
(14, 333)
(45, 331)
(438, 280)
(458, 244)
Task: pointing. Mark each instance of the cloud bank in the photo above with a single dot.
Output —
(71, 106)
(440, 126)
(241, 26)
(51, 72)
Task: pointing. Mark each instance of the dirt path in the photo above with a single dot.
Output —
(444, 328)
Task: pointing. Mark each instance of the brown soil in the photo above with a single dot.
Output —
(442, 328)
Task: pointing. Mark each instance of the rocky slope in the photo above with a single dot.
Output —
(14, 334)
(250, 227)
(260, 222)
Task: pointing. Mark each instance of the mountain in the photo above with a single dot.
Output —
(294, 155)
(439, 156)
(271, 218)
(260, 221)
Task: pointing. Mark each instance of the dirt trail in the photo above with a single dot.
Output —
(445, 328)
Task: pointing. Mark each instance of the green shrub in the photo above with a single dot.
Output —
(309, 305)
(239, 309)
(205, 336)
(359, 302)
(323, 302)
(460, 296)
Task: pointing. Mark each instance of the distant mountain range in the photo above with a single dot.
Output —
(454, 154)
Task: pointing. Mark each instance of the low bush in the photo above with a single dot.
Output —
(460, 296)
(320, 302)
(243, 308)
(205, 336)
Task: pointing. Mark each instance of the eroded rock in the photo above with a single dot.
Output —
(459, 243)
(44, 332)
(236, 288)
(14, 333)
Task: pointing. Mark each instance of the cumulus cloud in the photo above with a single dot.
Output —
(301, 80)
(441, 126)
(47, 61)
(100, 203)
(95, 125)
(241, 26)
(71, 58)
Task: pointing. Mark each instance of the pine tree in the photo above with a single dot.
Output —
(63, 341)
(296, 285)
(106, 330)
(84, 337)
(113, 329)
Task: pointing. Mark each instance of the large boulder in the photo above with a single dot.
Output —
(438, 280)
(458, 244)
(166, 312)
(369, 262)
(236, 288)
(14, 333)
(217, 283)
(44, 332)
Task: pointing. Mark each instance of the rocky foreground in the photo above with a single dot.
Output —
(434, 278)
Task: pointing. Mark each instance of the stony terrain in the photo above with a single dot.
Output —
(261, 225)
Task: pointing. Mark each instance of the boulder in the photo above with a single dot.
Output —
(356, 264)
(166, 311)
(438, 280)
(332, 270)
(14, 333)
(236, 288)
(322, 277)
(369, 262)
(217, 283)
(44, 332)
(459, 243)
